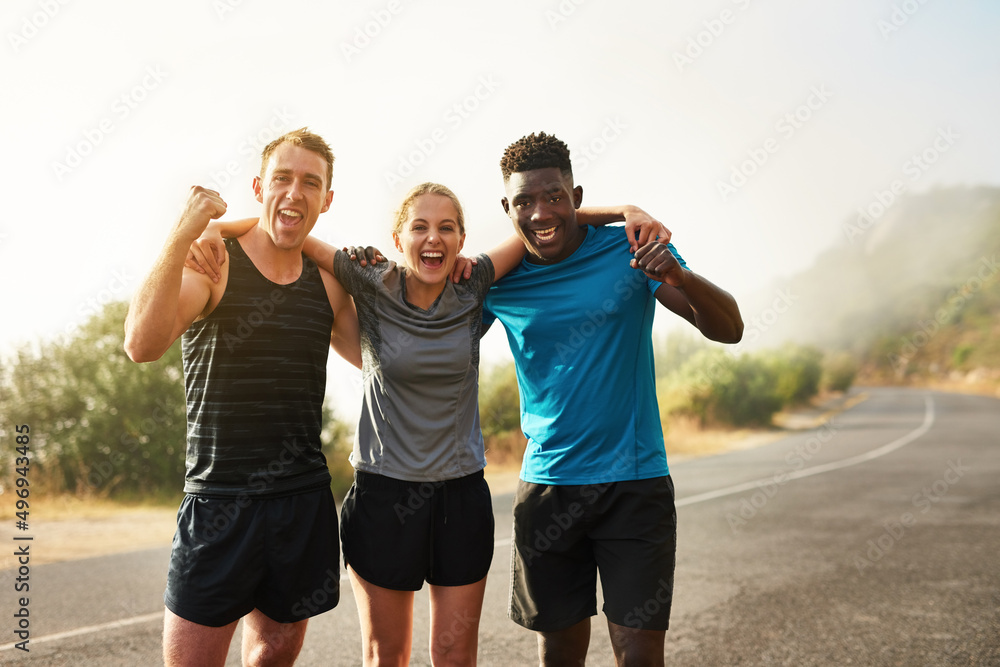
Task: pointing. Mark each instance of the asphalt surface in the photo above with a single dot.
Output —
(872, 540)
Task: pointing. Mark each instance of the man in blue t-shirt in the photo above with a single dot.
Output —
(595, 493)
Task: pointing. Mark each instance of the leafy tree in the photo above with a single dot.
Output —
(100, 424)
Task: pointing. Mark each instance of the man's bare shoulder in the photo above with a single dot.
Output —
(202, 290)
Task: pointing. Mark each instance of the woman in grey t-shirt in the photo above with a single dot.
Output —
(419, 509)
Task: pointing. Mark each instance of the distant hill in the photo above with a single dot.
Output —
(913, 288)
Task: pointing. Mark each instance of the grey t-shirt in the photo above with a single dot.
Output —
(420, 416)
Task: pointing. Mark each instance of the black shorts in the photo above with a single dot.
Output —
(564, 535)
(233, 555)
(398, 534)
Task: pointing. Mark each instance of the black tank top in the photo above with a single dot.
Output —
(255, 377)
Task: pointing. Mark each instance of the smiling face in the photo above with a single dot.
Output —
(542, 204)
(430, 239)
(294, 192)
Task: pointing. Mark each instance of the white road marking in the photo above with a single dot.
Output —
(89, 629)
(826, 467)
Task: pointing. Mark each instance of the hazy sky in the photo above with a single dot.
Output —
(753, 129)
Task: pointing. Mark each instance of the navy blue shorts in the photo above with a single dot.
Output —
(233, 555)
(398, 534)
(565, 535)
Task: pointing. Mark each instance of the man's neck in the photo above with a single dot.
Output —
(279, 265)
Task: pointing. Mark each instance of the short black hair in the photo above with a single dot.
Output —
(535, 151)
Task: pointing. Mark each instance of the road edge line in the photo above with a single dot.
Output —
(929, 418)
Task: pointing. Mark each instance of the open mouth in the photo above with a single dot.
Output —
(431, 259)
(289, 217)
(545, 234)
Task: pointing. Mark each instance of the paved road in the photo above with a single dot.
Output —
(871, 541)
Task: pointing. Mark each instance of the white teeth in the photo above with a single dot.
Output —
(291, 214)
(432, 254)
(545, 232)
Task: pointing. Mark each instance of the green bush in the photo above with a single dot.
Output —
(500, 415)
(839, 371)
(748, 394)
(101, 425)
(717, 387)
(499, 400)
(797, 371)
(961, 354)
(673, 350)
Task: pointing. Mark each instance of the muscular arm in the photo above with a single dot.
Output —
(506, 256)
(597, 216)
(172, 297)
(320, 252)
(640, 227)
(208, 252)
(346, 336)
(702, 303)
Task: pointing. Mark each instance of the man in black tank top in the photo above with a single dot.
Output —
(255, 343)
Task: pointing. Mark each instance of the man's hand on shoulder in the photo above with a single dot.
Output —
(463, 268)
(365, 256)
(656, 261)
(208, 253)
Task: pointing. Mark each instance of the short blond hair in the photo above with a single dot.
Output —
(426, 189)
(304, 138)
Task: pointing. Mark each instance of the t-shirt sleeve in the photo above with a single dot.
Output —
(654, 285)
(680, 260)
(489, 317)
(483, 274)
(354, 277)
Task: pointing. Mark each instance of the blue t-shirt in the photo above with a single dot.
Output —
(580, 331)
